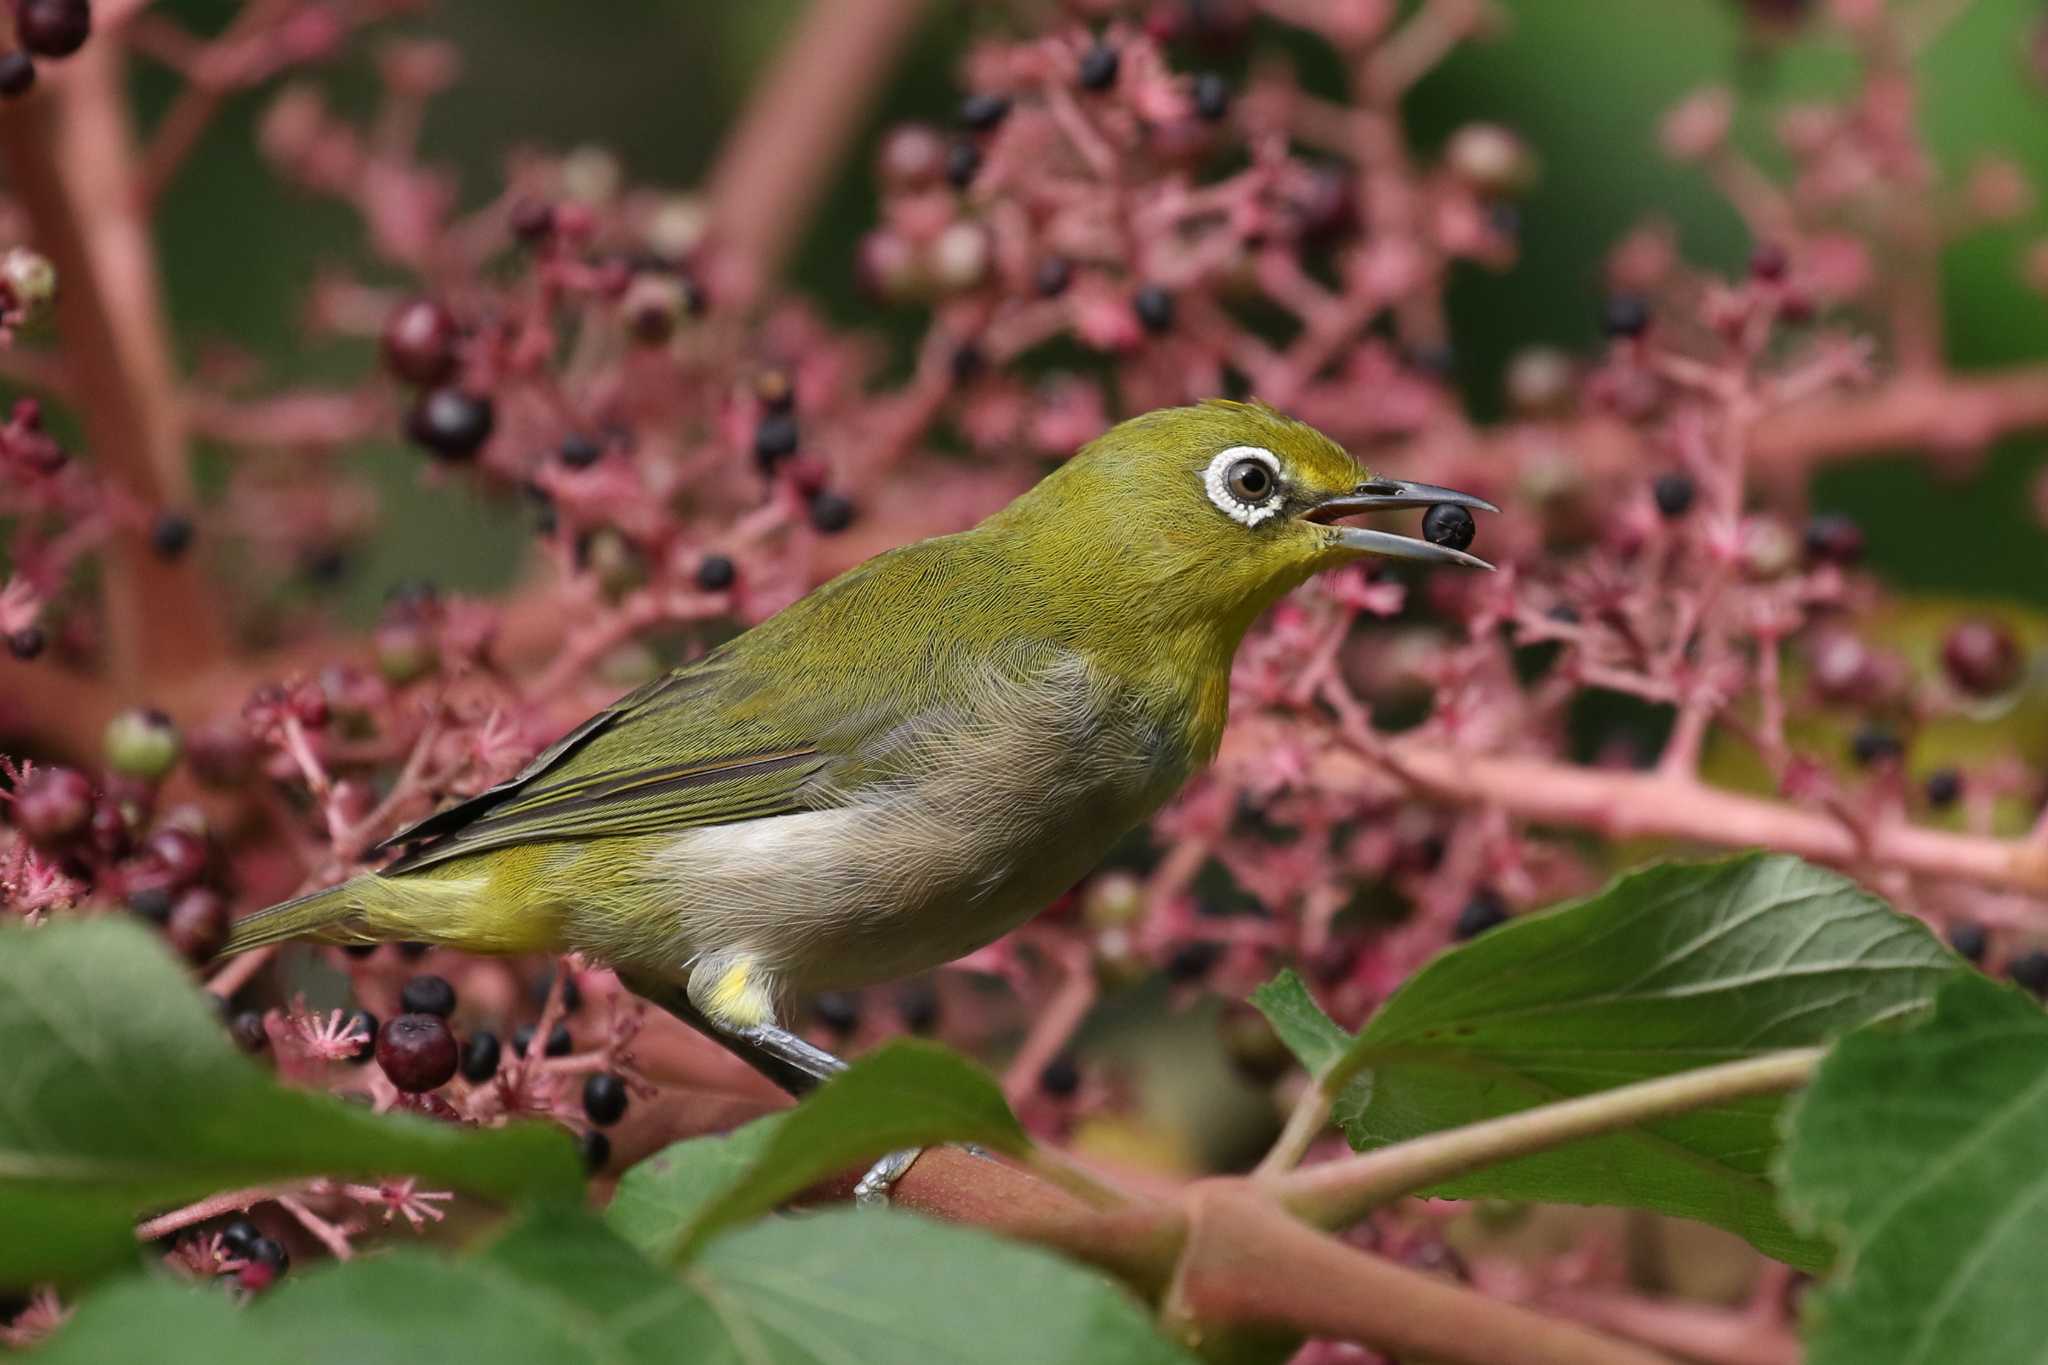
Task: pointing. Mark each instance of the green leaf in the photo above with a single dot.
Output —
(871, 1285)
(128, 1099)
(1310, 1035)
(658, 1199)
(1920, 1150)
(852, 1287)
(1668, 969)
(906, 1094)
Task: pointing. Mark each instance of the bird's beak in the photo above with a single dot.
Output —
(1378, 495)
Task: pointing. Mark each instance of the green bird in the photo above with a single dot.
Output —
(905, 764)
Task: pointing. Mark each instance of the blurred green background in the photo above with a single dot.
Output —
(660, 81)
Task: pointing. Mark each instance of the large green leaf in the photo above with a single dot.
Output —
(906, 1094)
(120, 1095)
(1921, 1150)
(658, 1200)
(852, 1287)
(1672, 968)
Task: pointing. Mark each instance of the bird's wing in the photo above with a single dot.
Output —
(667, 756)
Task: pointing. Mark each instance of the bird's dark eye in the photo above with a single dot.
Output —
(1249, 481)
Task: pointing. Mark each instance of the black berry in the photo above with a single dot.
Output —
(53, 28)
(919, 1005)
(1875, 744)
(544, 985)
(417, 1052)
(1768, 261)
(559, 1044)
(360, 949)
(480, 1056)
(413, 952)
(170, 535)
(1944, 788)
(2030, 969)
(368, 1047)
(1052, 276)
(418, 342)
(1060, 1078)
(1969, 939)
(152, 903)
(774, 439)
(451, 423)
(831, 512)
(198, 924)
(837, 1011)
(17, 74)
(1154, 307)
(715, 573)
(1625, 315)
(268, 1251)
(579, 452)
(1674, 494)
(27, 643)
(1484, 911)
(1832, 538)
(1212, 96)
(246, 1028)
(428, 995)
(1449, 525)
(981, 111)
(1191, 961)
(968, 361)
(1098, 67)
(963, 163)
(596, 1149)
(240, 1237)
(532, 220)
(604, 1098)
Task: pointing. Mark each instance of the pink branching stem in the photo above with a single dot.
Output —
(1054, 1022)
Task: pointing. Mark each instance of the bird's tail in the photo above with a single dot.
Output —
(304, 916)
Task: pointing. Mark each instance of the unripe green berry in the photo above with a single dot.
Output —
(142, 744)
(29, 280)
(615, 561)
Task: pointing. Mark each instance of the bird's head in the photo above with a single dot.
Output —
(1219, 509)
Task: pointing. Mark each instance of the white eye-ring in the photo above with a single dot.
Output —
(1244, 481)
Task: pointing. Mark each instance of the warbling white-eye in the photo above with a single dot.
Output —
(910, 761)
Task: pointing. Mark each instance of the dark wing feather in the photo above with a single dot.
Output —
(595, 781)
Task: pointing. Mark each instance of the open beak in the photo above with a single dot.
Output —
(1379, 495)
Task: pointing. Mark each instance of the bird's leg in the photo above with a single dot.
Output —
(776, 1053)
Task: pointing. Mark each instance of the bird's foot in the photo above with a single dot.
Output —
(873, 1190)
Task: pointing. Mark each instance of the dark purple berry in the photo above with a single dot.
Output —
(240, 1237)
(480, 1056)
(419, 342)
(246, 1028)
(532, 220)
(918, 1004)
(428, 995)
(1873, 744)
(1484, 911)
(451, 423)
(27, 643)
(596, 1150)
(579, 452)
(604, 1098)
(198, 924)
(1449, 525)
(1944, 788)
(838, 1011)
(413, 952)
(1625, 315)
(2030, 969)
(831, 512)
(544, 985)
(368, 1047)
(269, 1251)
(715, 573)
(53, 805)
(963, 163)
(17, 74)
(1969, 939)
(170, 535)
(1098, 67)
(360, 950)
(1060, 1078)
(1981, 658)
(1053, 275)
(53, 28)
(1832, 538)
(559, 1043)
(1212, 96)
(1154, 307)
(151, 903)
(1674, 494)
(775, 438)
(417, 1052)
(981, 111)
(1769, 261)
